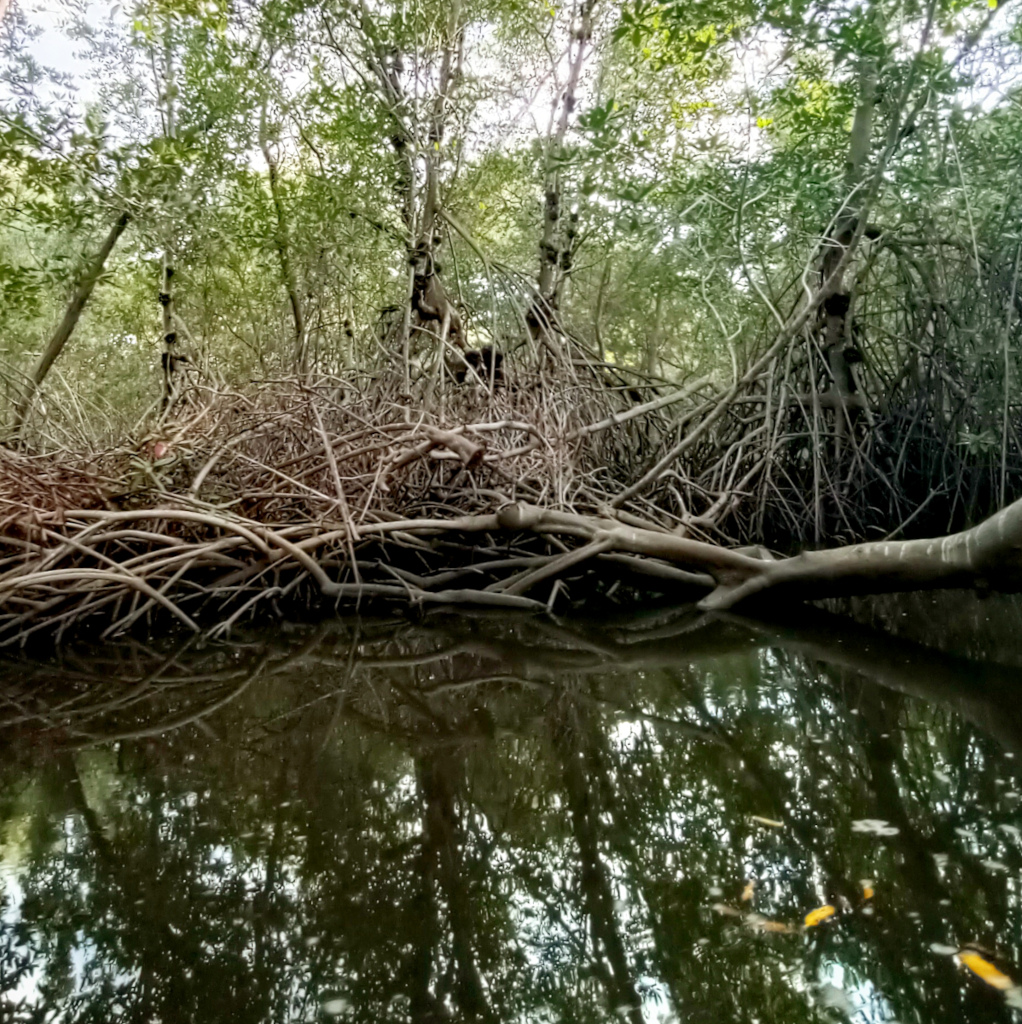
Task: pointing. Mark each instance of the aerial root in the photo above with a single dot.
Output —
(296, 494)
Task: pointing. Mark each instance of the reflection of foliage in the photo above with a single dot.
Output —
(506, 820)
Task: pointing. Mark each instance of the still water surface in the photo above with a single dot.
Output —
(664, 817)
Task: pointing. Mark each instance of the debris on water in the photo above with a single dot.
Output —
(834, 998)
(814, 917)
(984, 969)
(725, 911)
(762, 924)
(874, 827)
(994, 865)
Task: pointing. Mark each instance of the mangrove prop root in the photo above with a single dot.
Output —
(339, 492)
(71, 575)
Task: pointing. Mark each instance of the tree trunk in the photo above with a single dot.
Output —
(989, 556)
(67, 325)
(282, 242)
(417, 137)
(838, 306)
(556, 242)
(171, 359)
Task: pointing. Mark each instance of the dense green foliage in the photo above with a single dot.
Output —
(704, 155)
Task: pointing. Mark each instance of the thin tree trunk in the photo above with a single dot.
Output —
(416, 139)
(65, 329)
(450, 74)
(171, 360)
(651, 344)
(837, 307)
(554, 246)
(600, 299)
(283, 245)
(170, 357)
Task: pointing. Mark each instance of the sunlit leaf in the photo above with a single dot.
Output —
(749, 891)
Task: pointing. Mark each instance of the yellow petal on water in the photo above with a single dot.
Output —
(747, 892)
(814, 917)
(986, 970)
(767, 821)
(867, 888)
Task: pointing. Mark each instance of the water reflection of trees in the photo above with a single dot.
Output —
(492, 819)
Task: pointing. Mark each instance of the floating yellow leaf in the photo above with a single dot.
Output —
(985, 970)
(767, 821)
(747, 892)
(814, 917)
(867, 888)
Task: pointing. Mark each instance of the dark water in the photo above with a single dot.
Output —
(494, 819)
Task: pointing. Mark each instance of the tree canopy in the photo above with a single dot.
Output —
(290, 156)
(779, 241)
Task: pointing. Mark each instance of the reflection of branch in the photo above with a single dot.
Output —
(585, 811)
(674, 724)
(420, 666)
(983, 693)
(178, 722)
(443, 844)
(918, 866)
